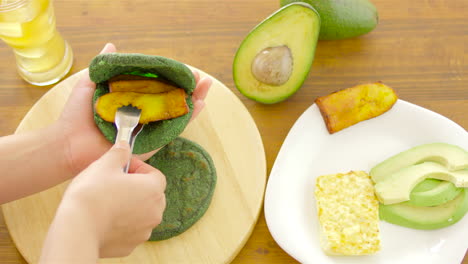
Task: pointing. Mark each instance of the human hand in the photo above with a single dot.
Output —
(84, 141)
(116, 209)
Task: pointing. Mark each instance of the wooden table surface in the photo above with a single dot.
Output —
(419, 48)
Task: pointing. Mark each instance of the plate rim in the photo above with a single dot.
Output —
(267, 204)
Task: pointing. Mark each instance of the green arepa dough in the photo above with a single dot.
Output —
(191, 181)
(156, 134)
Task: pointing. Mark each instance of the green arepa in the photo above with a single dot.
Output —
(191, 180)
(156, 134)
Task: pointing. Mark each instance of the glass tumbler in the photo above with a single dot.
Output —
(43, 57)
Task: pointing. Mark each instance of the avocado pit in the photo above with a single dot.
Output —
(273, 65)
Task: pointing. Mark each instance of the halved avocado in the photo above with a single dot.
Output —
(275, 58)
(432, 192)
(426, 217)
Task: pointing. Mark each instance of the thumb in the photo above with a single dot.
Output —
(117, 156)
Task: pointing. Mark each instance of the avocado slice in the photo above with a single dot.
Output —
(343, 19)
(275, 58)
(397, 187)
(426, 217)
(452, 157)
(432, 192)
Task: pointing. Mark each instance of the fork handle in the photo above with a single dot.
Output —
(125, 134)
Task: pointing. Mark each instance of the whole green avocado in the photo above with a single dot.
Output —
(155, 134)
(341, 19)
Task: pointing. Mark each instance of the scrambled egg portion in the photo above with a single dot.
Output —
(348, 212)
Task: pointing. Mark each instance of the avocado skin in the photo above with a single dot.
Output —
(191, 181)
(342, 19)
(155, 134)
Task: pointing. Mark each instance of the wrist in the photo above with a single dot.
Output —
(72, 211)
(65, 159)
(72, 237)
(78, 204)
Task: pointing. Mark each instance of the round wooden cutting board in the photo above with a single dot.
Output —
(225, 129)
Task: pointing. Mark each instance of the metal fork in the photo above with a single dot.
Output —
(126, 121)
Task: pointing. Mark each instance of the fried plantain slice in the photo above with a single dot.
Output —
(154, 107)
(352, 105)
(139, 84)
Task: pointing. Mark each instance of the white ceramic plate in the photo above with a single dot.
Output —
(309, 151)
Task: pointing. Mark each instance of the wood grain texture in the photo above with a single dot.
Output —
(239, 158)
(418, 48)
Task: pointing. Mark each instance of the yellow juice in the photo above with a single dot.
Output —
(28, 26)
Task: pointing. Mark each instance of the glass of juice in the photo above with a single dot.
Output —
(43, 57)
